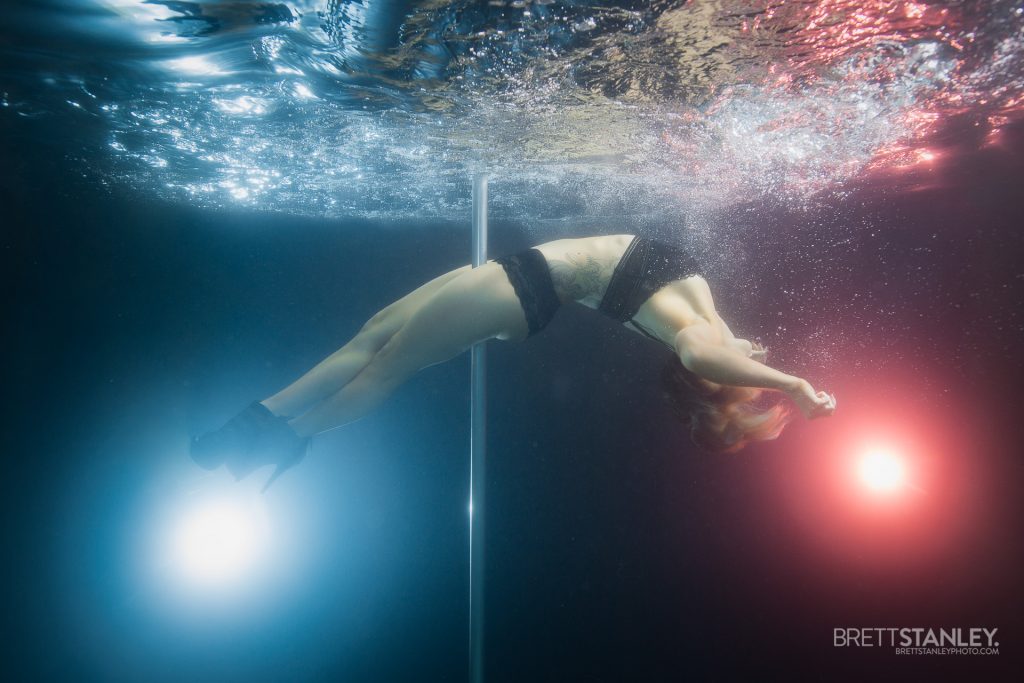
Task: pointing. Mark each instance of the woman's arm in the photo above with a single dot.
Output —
(702, 355)
(749, 349)
(724, 364)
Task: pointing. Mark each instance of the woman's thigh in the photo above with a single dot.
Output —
(418, 296)
(383, 325)
(476, 305)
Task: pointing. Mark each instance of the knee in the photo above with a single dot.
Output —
(388, 364)
(375, 332)
(376, 322)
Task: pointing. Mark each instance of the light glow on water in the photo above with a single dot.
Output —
(713, 103)
(197, 66)
(243, 106)
(214, 541)
(140, 10)
(219, 541)
(882, 471)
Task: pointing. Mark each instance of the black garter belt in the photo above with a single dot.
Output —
(529, 276)
(645, 267)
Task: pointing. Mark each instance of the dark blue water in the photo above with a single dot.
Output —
(143, 308)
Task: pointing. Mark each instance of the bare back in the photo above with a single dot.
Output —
(582, 268)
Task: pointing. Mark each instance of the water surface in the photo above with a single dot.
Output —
(593, 108)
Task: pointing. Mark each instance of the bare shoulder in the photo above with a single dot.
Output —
(693, 288)
(679, 305)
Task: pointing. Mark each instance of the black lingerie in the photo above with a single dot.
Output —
(646, 266)
(529, 276)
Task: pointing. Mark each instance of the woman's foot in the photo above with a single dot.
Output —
(251, 439)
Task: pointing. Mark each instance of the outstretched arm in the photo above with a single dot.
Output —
(702, 355)
(749, 349)
(725, 364)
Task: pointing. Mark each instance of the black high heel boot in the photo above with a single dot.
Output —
(251, 439)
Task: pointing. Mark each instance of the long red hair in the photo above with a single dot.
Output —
(724, 418)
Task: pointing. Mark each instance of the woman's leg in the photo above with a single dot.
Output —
(335, 371)
(476, 305)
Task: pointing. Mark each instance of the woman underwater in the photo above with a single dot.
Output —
(714, 379)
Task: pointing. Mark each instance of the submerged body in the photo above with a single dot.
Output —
(653, 288)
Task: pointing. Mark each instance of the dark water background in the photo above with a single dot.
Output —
(614, 552)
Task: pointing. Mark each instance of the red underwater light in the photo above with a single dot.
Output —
(881, 471)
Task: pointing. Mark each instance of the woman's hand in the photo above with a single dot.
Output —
(811, 403)
(758, 352)
(752, 350)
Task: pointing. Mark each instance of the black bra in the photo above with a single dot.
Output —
(646, 266)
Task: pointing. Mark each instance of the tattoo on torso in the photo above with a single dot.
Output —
(581, 277)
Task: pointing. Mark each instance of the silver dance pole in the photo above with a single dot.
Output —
(477, 452)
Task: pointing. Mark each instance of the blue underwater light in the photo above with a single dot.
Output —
(218, 538)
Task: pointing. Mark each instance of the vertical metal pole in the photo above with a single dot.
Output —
(478, 451)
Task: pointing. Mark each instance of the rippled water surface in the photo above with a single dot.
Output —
(383, 108)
